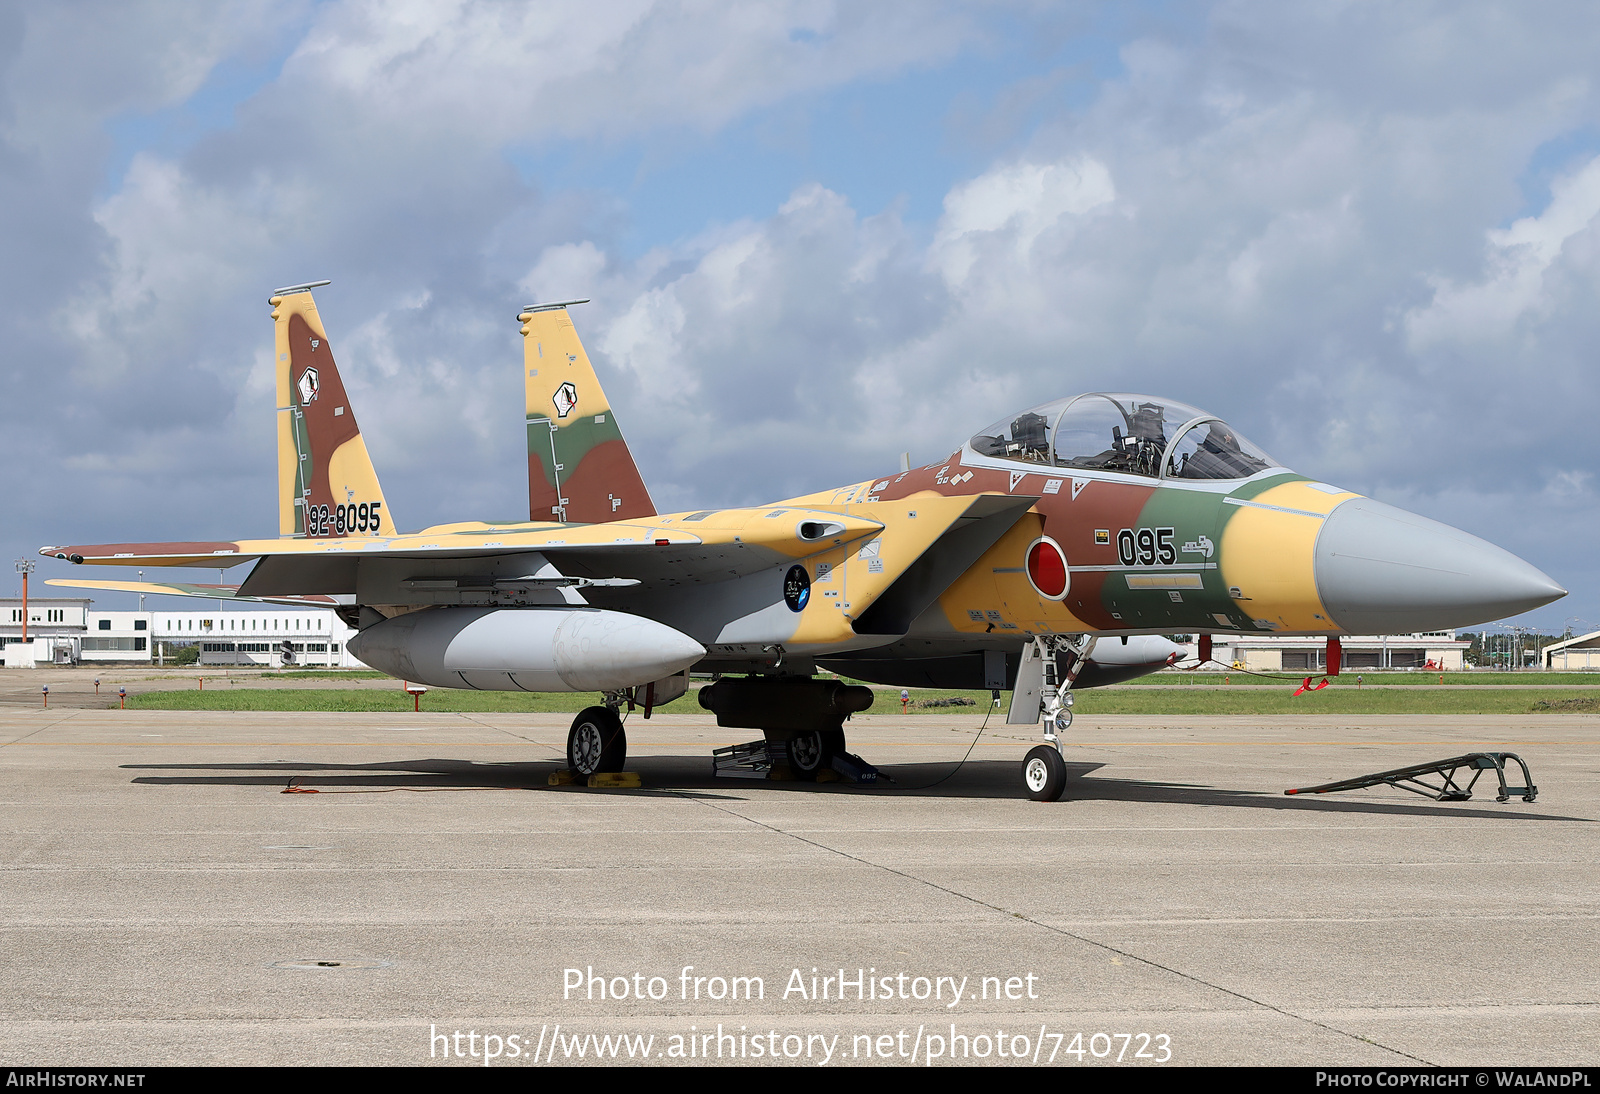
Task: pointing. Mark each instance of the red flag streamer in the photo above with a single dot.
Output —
(1308, 686)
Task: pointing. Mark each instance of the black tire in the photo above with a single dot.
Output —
(812, 752)
(596, 742)
(833, 740)
(1044, 773)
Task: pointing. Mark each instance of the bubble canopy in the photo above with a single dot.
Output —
(1130, 434)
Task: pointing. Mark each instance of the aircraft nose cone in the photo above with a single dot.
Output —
(1382, 570)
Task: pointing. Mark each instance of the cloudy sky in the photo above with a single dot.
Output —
(816, 235)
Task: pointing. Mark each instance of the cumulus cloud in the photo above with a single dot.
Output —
(522, 72)
(747, 347)
(1015, 204)
(1301, 219)
(377, 155)
(165, 270)
(68, 69)
(1271, 259)
(1514, 280)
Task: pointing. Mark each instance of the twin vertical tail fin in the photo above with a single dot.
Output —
(579, 468)
(327, 487)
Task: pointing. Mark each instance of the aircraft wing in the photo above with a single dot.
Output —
(709, 545)
(718, 573)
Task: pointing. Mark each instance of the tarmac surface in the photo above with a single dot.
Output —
(163, 902)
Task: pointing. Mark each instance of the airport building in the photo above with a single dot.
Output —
(1582, 652)
(1438, 651)
(68, 631)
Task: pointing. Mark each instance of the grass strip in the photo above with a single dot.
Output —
(437, 700)
(1215, 700)
(329, 674)
(1347, 679)
(1229, 700)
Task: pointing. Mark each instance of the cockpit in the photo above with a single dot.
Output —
(1130, 434)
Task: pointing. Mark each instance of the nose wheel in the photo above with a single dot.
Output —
(1044, 773)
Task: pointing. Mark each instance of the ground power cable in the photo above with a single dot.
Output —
(947, 775)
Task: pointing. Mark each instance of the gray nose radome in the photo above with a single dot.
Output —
(1382, 570)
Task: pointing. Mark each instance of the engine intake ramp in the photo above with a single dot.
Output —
(1449, 789)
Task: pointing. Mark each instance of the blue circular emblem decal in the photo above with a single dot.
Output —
(796, 588)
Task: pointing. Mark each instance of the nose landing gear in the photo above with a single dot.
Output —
(1050, 666)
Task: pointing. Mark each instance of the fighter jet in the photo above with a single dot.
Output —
(1047, 553)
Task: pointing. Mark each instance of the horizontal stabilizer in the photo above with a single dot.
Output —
(207, 592)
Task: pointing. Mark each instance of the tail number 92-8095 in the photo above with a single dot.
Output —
(342, 520)
(1146, 547)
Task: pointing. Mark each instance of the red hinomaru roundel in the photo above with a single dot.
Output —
(1047, 569)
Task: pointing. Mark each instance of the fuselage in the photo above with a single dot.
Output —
(1114, 553)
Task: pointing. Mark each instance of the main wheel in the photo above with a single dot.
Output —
(812, 752)
(596, 742)
(1044, 773)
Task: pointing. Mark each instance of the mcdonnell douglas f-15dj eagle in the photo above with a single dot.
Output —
(1007, 565)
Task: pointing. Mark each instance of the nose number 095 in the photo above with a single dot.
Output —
(1146, 547)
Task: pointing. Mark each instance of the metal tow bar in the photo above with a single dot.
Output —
(1448, 789)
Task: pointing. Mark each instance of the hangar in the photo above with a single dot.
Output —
(1582, 652)
(1436, 650)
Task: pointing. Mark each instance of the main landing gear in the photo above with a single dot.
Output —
(812, 751)
(1050, 666)
(596, 742)
(801, 718)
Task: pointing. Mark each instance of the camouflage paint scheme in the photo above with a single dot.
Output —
(1241, 551)
(324, 471)
(928, 563)
(579, 467)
